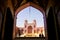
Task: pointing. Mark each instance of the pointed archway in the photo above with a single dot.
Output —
(34, 6)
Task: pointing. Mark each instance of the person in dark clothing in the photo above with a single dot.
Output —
(41, 35)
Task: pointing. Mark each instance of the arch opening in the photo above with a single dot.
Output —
(30, 16)
(30, 21)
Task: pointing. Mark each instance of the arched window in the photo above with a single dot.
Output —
(30, 15)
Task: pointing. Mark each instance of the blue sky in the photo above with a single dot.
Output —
(30, 13)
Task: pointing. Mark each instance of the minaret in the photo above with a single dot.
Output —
(25, 24)
(34, 21)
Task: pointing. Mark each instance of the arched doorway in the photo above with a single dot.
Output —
(29, 29)
(30, 15)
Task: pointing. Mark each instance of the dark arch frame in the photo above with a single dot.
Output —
(8, 25)
(29, 4)
(52, 24)
(35, 6)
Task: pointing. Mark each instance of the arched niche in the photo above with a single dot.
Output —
(51, 24)
(34, 6)
(8, 25)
